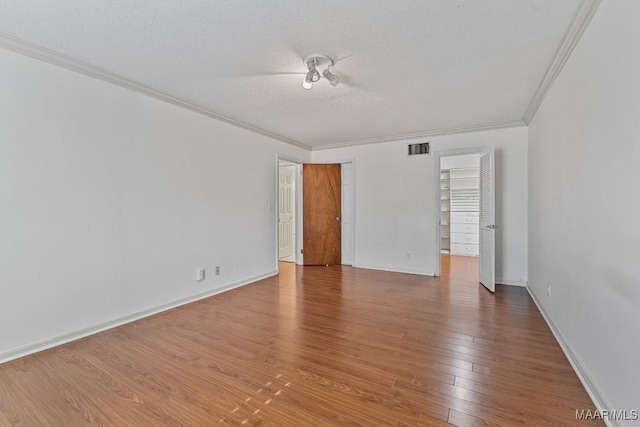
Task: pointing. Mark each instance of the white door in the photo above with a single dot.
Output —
(285, 212)
(347, 212)
(487, 222)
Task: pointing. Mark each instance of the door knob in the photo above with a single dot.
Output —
(337, 218)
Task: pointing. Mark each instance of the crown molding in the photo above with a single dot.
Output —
(426, 134)
(580, 21)
(583, 16)
(61, 60)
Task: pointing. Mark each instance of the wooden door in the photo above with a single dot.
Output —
(321, 200)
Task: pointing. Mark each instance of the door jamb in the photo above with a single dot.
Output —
(297, 208)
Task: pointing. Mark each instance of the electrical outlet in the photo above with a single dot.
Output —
(199, 275)
(549, 290)
(217, 270)
(408, 255)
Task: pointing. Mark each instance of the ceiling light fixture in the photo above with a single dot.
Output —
(313, 62)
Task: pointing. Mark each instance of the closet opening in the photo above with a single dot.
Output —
(459, 243)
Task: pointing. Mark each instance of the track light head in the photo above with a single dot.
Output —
(313, 75)
(333, 79)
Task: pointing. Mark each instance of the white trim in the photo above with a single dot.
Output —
(578, 25)
(590, 385)
(354, 208)
(581, 20)
(297, 163)
(418, 135)
(61, 60)
(437, 208)
(77, 334)
(511, 282)
(352, 241)
(299, 215)
(395, 270)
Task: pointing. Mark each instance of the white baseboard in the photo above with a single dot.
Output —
(67, 337)
(511, 282)
(395, 269)
(590, 385)
(500, 281)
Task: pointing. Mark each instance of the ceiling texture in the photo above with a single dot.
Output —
(409, 68)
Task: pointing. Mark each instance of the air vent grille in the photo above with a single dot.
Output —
(421, 148)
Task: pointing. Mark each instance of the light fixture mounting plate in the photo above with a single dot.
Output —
(319, 60)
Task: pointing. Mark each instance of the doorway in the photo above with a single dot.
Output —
(465, 215)
(459, 216)
(291, 218)
(287, 211)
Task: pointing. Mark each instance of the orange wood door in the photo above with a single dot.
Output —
(321, 202)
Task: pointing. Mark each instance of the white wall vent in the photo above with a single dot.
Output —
(421, 148)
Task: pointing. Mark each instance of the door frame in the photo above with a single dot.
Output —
(297, 207)
(437, 156)
(352, 184)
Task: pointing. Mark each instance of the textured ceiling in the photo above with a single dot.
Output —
(409, 67)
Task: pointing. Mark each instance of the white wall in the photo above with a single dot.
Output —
(395, 212)
(584, 199)
(110, 200)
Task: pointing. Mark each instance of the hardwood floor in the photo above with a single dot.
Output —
(316, 346)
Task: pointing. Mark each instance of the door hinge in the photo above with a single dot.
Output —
(302, 251)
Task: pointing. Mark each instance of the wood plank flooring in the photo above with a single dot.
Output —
(315, 346)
